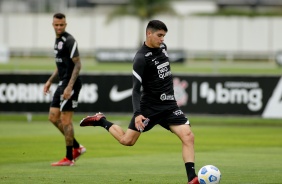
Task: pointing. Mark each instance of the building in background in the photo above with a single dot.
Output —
(46, 6)
(183, 6)
(227, 37)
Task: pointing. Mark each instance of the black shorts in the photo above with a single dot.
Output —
(172, 115)
(66, 105)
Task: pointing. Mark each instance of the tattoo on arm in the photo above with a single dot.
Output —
(76, 70)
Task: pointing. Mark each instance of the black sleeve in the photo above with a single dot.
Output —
(72, 47)
(138, 69)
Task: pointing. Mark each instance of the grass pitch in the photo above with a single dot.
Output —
(246, 150)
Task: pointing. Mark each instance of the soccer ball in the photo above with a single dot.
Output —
(209, 174)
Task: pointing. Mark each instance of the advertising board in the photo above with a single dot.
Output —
(195, 94)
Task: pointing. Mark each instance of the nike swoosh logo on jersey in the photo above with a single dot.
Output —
(116, 95)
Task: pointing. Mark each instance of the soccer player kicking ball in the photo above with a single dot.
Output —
(155, 102)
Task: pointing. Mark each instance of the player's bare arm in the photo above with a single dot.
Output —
(75, 73)
(49, 82)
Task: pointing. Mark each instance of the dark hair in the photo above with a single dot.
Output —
(59, 16)
(156, 25)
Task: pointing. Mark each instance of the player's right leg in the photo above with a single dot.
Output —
(127, 138)
(54, 111)
(54, 117)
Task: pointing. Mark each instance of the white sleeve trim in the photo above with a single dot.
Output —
(73, 49)
(137, 76)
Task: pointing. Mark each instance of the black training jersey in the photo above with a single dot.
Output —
(65, 49)
(151, 70)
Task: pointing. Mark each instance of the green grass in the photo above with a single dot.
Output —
(89, 65)
(246, 150)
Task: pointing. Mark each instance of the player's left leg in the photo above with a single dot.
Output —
(66, 118)
(186, 136)
(67, 126)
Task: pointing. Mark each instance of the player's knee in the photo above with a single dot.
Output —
(52, 119)
(127, 142)
(188, 137)
(191, 137)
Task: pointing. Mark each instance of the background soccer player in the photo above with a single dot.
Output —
(66, 95)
